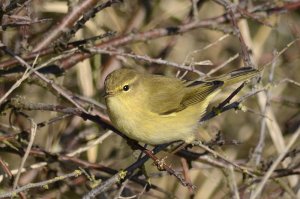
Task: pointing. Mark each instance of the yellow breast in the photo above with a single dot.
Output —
(143, 125)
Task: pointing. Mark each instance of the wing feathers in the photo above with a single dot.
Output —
(195, 95)
(167, 96)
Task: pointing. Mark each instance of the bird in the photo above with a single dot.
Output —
(156, 109)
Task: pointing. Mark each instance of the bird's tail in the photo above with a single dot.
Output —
(236, 76)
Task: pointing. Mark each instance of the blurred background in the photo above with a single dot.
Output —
(75, 44)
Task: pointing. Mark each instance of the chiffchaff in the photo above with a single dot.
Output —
(156, 109)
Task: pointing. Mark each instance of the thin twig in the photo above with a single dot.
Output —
(91, 144)
(68, 21)
(275, 164)
(146, 59)
(76, 173)
(260, 145)
(217, 155)
(233, 183)
(231, 9)
(32, 136)
(212, 71)
(41, 76)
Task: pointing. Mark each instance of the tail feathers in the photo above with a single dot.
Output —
(236, 76)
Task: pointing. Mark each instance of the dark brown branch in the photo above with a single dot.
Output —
(152, 34)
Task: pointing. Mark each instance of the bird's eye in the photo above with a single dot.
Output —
(125, 88)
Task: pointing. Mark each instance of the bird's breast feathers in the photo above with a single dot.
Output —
(146, 126)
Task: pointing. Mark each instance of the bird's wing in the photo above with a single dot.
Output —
(163, 93)
(200, 92)
(167, 96)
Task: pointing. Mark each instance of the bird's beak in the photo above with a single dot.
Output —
(108, 94)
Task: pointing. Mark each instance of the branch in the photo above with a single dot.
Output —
(44, 184)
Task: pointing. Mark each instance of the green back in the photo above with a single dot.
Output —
(168, 95)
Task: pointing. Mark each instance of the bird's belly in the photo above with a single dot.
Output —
(152, 128)
(159, 131)
(154, 132)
